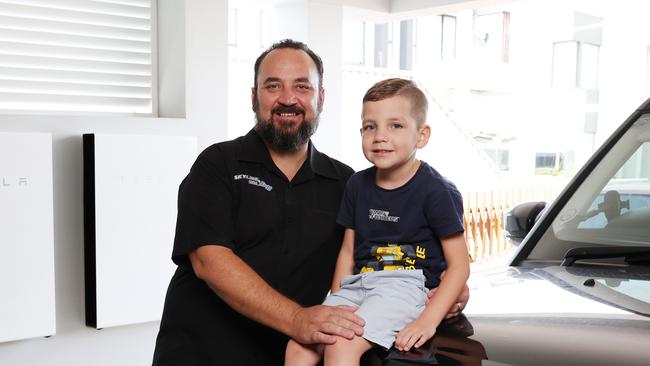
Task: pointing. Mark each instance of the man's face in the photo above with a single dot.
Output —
(287, 101)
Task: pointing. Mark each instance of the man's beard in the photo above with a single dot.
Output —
(281, 138)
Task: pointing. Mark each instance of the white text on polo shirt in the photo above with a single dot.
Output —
(253, 181)
(381, 215)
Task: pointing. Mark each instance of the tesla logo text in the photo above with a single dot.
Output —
(13, 182)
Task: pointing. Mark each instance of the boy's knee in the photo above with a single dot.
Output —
(346, 350)
(297, 354)
(292, 350)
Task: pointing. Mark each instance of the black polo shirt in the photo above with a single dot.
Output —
(286, 231)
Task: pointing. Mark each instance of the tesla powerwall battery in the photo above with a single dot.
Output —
(130, 189)
(27, 304)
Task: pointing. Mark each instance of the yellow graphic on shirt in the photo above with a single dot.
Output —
(392, 257)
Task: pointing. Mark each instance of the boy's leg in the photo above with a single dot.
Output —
(393, 300)
(346, 352)
(302, 355)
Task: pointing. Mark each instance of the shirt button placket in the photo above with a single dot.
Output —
(290, 232)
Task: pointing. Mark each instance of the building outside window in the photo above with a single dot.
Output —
(500, 156)
(548, 162)
(447, 37)
(492, 36)
(575, 65)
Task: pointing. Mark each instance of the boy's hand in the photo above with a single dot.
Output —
(414, 334)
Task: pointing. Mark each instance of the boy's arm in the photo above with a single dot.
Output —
(345, 260)
(424, 327)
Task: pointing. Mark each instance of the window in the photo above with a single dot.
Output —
(501, 157)
(546, 163)
(407, 44)
(588, 66)
(436, 38)
(492, 35)
(448, 37)
(613, 209)
(575, 65)
(77, 56)
(354, 42)
(383, 44)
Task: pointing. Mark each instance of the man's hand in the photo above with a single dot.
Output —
(321, 324)
(414, 334)
(458, 306)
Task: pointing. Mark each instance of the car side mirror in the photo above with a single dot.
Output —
(520, 219)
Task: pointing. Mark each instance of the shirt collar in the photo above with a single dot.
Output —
(253, 149)
(321, 164)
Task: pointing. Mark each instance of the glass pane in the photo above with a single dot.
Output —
(448, 37)
(353, 42)
(383, 44)
(565, 58)
(488, 36)
(627, 191)
(589, 66)
(612, 206)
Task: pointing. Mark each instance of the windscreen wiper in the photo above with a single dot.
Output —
(632, 254)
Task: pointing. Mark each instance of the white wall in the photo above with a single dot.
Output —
(326, 39)
(74, 343)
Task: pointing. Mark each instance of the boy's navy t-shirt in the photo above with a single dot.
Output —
(401, 228)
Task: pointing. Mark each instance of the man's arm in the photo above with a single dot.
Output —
(227, 274)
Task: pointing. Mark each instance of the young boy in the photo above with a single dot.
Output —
(404, 226)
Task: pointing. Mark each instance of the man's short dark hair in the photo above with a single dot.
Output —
(296, 45)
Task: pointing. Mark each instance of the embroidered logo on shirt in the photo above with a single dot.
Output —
(381, 215)
(253, 181)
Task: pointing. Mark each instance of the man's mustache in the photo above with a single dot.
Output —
(288, 109)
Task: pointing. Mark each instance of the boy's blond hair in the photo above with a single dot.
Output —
(400, 87)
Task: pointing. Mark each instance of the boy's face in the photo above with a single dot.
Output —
(389, 133)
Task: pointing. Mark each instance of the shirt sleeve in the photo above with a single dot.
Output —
(444, 211)
(345, 217)
(204, 207)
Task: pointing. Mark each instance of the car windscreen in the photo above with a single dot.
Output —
(611, 207)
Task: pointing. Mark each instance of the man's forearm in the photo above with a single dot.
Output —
(236, 283)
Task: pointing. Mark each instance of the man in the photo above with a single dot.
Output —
(256, 238)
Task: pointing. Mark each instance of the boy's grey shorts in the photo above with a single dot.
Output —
(387, 301)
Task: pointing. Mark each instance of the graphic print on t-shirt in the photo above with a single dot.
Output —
(381, 215)
(391, 257)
